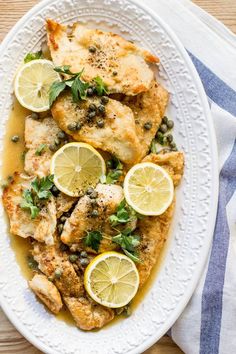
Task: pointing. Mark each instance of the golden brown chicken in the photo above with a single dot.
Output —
(120, 63)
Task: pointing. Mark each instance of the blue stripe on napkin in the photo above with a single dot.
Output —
(216, 89)
(213, 288)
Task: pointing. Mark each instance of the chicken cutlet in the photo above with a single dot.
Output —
(148, 109)
(39, 135)
(41, 228)
(153, 230)
(117, 135)
(86, 313)
(47, 292)
(82, 220)
(119, 63)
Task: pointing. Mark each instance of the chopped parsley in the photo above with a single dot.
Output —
(39, 191)
(116, 170)
(128, 242)
(40, 150)
(33, 56)
(93, 240)
(124, 213)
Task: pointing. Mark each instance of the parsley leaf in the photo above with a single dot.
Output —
(65, 69)
(28, 204)
(78, 89)
(124, 214)
(128, 243)
(39, 151)
(56, 88)
(93, 240)
(33, 56)
(116, 170)
(100, 86)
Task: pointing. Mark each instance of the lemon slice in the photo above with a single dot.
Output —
(111, 279)
(32, 84)
(77, 166)
(148, 189)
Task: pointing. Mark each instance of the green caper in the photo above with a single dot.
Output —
(73, 258)
(58, 273)
(93, 195)
(34, 116)
(15, 138)
(104, 100)
(63, 218)
(100, 123)
(163, 128)
(93, 202)
(172, 145)
(170, 138)
(165, 140)
(148, 125)
(84, 262)
(55, 191)
(61, 135)
(60, 228)
(92, 107)
(52, 147)
(57, 142)
(92, 49)
(101, 109)
(164, 120)
(72, 126)
(91, 115)
(94, 213)
(90, 91)
(51, 278)
(170, 124)
(83, 254)
(79, 125)
(159, 137)
(90, 190)
(114, 73)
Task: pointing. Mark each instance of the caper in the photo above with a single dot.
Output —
(93, 195)
(34, 116)
(52, 147)
(170, 124)
(63, 218)
(148, 125)
(94, 213)
(58, 273)
(92, 107)
(57, 142)
(159, 137)
(101, 109)
(72, 126)
(73, 258)
(51, 278)
(92, 49)
(84, 262)
(84, 254)
(172, 145)
(89, 191)
(67, 214)
(109, 163)
(170, 137)
(55, 191)
(163, 128)
(93, 202)
(164, 120)
(114, 73)
(15, 138)
(90, 91)
(91, 115)
(61, 135)
(165, 140)
(100, 123)
(79, 125)
(94, 90)
(104, 100)
(60, 228)
(63, 247)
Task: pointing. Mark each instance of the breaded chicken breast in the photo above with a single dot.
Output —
(39, 134)
(43, 227)
(153, 230)
(118, 135)
(120, 63)
(47, 292)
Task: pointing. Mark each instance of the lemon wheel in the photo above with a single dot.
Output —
(148, 189)
(111, 279)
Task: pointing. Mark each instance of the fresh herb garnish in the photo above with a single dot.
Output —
(40, 149)
(116, 170)
(100, 86)
(77, 86)
(93, 240)
(33, 56)
(128, 243)
(40, 190)
(124, 214)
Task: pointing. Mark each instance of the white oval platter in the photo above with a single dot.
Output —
(193, 224)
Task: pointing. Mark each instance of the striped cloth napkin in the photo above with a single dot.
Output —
(208, 323)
